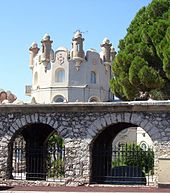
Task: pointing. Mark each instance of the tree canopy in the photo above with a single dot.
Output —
(141, 69)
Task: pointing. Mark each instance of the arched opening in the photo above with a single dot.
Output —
(37, 153)
(58, 99)
(93, 99)
(116, 160)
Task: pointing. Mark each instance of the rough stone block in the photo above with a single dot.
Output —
(113, 118)
(18, 122)
(127, 117)
(28, 118)
(55, 125)
(36, 117)
(48, 120)
(33, 118)
(15, 126)
(119, 117)
(136, 119)
(103, 122)
(107, 119)
(23, 121)
(98, 124)
(143, 123)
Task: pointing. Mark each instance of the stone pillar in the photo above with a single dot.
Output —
(77, 162)
(33, 51)
(4, 167)
(162, 163)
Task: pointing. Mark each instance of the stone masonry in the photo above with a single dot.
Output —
(79, 124)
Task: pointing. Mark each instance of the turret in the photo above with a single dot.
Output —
(46, 49)
(33, 52)
(106, 47)
(77, 49)
(106, 53)
(112, 54)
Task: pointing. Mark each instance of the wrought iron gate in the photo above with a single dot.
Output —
(128, 164)
(37, 163)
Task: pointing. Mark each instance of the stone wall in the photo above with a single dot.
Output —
(79, 125)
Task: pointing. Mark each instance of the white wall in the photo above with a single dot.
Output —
(77, 85)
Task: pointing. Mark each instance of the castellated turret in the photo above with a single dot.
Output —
(46, 49)
(70, 76)
(107, 54)
(77, 52)
(33, 52)
(77, 45)
(112, 53)
(106, 47)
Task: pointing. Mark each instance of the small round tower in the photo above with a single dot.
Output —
(46, 49)
(106, 47)
(33, 52)
(77, 53)
(77, 45)
(112, 53)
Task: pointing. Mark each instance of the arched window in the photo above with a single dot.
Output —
(60, 75)
(35, 78)
(93, 99)
(93, 77)
(78, 47)
(58, 99)
(144, 146)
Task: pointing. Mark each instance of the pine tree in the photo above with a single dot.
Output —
(141, 69)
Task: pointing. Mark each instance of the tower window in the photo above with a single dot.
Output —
(93, 77)
(60, 75)
(78, 47)
(58, 99)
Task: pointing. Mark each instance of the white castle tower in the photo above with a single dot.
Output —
(70, 76)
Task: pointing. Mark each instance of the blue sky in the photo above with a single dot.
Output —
(25, 21)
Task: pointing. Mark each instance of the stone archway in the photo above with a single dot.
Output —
(31, 153)
(103, 131)
(130, 118)
(102, 152)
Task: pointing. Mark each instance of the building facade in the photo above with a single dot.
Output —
(76, 76)
(134, 135)
(70, 76)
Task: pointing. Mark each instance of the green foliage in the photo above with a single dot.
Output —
(56, 168)
(55, 139)
(134, 70)
(150, 78)
(143, 61)
(134, 155)
(55, 161)
(139, 157)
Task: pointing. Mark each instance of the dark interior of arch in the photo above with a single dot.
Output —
(36, 134)
(102, 151)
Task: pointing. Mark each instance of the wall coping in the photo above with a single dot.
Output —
(132, 106)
